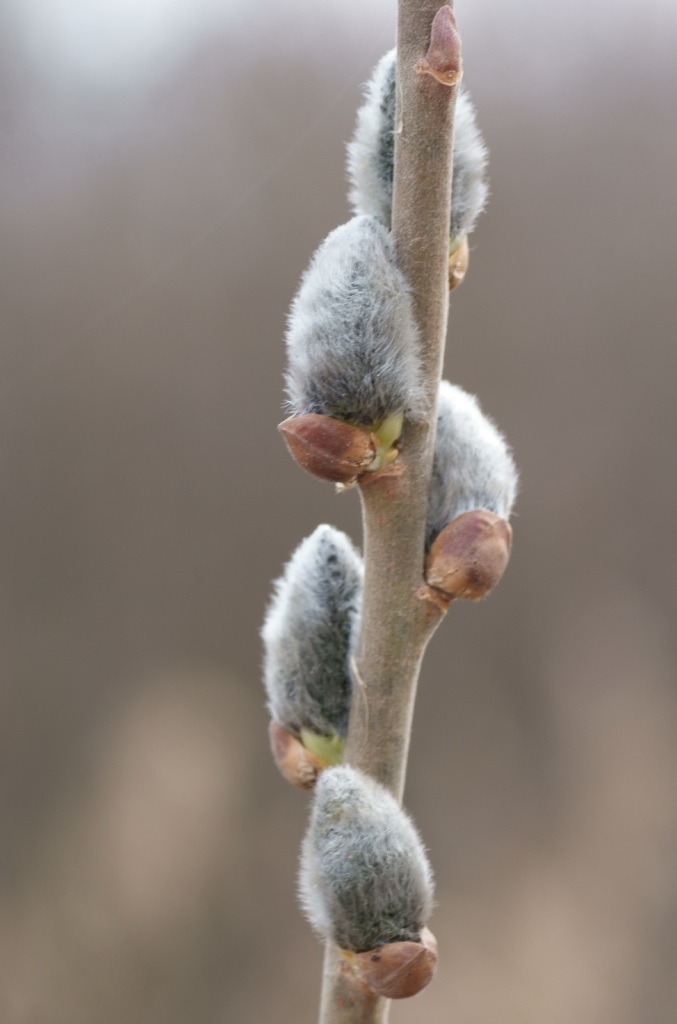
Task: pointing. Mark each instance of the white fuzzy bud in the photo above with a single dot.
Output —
(371, 154)
(472, 466)
(308, 632)
(352, 343)
(365, 878)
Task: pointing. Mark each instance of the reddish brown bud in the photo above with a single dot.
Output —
(443, 59)
(329, 449)
(458, 263)
(397, 970)
(298, 765)
(469, 556)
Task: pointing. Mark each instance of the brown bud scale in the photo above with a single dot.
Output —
(469, 556)
(298, 765)
(397, 970)
(458, 263)
(329, 449)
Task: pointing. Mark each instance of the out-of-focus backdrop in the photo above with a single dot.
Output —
(167, 168)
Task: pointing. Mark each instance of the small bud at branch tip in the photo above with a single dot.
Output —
(443, 60)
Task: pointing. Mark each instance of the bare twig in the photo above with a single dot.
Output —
(397, 621)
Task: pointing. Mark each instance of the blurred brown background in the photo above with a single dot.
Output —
(166, 171)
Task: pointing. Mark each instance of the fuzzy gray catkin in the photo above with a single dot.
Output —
(472, 465)
(371, 154)
(308, 631)
(365, 878)
(351, 338)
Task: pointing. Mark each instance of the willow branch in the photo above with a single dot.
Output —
(398, 614)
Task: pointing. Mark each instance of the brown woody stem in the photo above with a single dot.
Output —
(397, 622)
